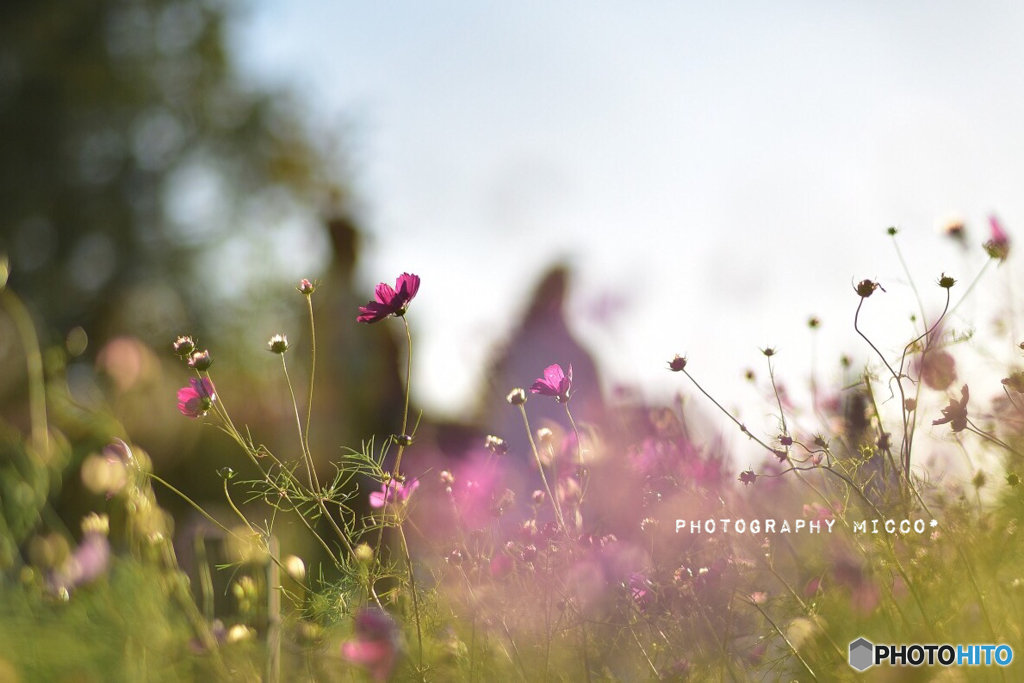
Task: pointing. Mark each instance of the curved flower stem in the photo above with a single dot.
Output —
(405, 424)
(198, 508)
(904, 456)
(583, 474)
(540, 466)
(221, 409)
(227, 494)
(743, 427)
(970, 287)
(579, 443)
(314, 481)
(415, 599)
(782, 634)
(312, 365)
(778, 398)
(408, 380)
(999, 442)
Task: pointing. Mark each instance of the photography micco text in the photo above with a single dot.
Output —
(796, 526)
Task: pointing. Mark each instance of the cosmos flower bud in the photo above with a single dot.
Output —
(516, 397)
(200, 360)
(866, 288)
(946, 282)
(278, 344)
(677, 364)
(748, 477)
(496, 445)
(183, 346)
(404, 440)
(998, 247)
(545, 435)
(306, 287)
(538, 497)
(364, 553)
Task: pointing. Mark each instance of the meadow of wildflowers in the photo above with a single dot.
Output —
(626, 548)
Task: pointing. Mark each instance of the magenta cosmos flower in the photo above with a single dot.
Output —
(390, 301)
(195, 400)
(393, 491)
(554, 383)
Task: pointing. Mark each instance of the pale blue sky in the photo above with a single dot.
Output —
(729, 168)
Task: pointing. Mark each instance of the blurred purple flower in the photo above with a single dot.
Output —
(376, 643)
(393, 491)
(554, 383)
(390, 301)
(195, 400)
(956, 412)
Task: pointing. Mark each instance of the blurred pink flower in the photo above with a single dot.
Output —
(390, 301)
(393, 491)
(195, 400)
(554, 383)
(87, 563)
(938, 370)
(376, 643)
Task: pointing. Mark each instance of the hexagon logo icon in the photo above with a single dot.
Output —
(861, 654)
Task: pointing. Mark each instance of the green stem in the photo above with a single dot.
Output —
(540, 466)
(312, 365)
(314, 481)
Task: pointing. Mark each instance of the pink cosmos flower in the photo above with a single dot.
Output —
(393, 491)
(554, 383)
(376, 643)
(390, 301)
(195, 400)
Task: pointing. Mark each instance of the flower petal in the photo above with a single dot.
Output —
(385, 294)
(407, 285)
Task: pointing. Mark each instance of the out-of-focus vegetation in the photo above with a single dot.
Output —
(318, 529)
(551, 551)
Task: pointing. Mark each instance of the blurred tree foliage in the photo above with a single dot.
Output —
(130, 147)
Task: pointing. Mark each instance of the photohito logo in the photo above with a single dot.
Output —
(865, 654)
